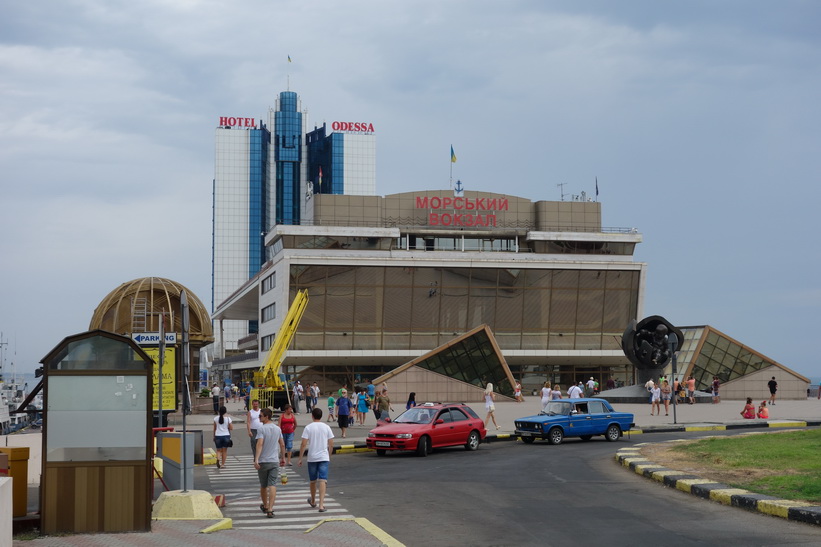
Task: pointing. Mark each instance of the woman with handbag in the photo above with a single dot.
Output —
(222, 436)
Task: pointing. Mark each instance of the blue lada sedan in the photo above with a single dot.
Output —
(581, 418)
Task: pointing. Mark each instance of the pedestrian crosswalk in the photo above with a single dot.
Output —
(239, 484)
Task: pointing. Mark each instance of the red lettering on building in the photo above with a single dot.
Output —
(226, 121)
(355, 127)
(447, 219)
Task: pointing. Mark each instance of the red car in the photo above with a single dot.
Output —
(429, 426)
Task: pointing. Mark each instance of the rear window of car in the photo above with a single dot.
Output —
(596, 407)
(470, 412)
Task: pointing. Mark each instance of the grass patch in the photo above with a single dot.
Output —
(786, 465)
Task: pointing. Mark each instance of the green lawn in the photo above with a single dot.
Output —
(786, 465)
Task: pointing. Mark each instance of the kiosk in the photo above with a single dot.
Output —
(97, 442)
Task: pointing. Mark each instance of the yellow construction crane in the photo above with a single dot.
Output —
(268, 385)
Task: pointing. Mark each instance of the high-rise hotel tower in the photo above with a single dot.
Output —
(264, 175)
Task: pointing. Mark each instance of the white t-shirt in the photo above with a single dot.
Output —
(215, 391)
(574, 392)
(222, 428)
(318, 434)
(254, 422)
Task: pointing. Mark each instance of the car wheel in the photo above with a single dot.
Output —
(473, 441)
(613, 433)
(380, 451)
(555, 436)
(586, 437)
(527, 440)
(423, 447)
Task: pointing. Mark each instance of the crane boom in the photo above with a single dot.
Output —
(268, 375)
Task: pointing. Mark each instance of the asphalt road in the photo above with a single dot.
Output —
(508, 493)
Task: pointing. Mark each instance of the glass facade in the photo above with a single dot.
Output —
(473, 360)
(257, 198)
(707, 352)
(288, 157)
(347, 160)
(418, 308)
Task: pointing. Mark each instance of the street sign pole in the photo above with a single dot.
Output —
(185, 371)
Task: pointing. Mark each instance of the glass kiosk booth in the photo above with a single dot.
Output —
(97, 442)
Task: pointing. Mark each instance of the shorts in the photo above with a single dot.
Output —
(288, 439)
(318, 471)
(691, 392)
(490, 408)
(268, 472)
(222, 441)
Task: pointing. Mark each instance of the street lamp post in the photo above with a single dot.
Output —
(672, 341)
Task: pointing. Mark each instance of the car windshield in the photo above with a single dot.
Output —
(416, 416)
(557, 408)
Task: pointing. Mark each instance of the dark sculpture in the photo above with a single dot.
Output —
(647, 345)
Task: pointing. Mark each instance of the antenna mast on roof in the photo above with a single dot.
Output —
(561, 189)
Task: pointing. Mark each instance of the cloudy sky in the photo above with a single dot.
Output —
(701, 121)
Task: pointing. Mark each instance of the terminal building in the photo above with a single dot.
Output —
(390, 278)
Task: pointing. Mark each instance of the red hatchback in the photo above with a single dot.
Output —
(429, 426)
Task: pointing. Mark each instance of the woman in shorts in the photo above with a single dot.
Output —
(222, 435)
(287, 423)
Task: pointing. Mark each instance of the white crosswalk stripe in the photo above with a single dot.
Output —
(239, 484)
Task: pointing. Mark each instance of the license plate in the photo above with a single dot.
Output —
(525, 434)
(382, 443)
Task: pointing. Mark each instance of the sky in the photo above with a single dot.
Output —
(701, 122)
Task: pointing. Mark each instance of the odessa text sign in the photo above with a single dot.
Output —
(353, 127)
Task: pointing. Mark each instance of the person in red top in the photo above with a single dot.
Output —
(763, 411)
(749, 410)
(287, 423)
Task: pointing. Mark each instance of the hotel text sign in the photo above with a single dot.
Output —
(237, 122)
(455, 206)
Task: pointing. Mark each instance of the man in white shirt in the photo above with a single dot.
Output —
(574, 392)
(319, 439)
(215, 395)
(269, 456)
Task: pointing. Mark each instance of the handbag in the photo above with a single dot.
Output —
(230, 443)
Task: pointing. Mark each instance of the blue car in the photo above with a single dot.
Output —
(581, 418)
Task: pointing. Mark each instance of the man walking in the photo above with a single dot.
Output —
(215, 396)
(319, 439)
(269, 456)
(252, 423)
(575, 392)
(773, 385)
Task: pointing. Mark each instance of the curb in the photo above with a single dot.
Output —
(797, 511)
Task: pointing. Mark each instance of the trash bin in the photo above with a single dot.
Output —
(19, 472)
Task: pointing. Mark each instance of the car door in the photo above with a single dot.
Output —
(442, 433)
(462, 426)
(580, 422)
(599, 417)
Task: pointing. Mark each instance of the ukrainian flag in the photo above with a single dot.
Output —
(452, 155)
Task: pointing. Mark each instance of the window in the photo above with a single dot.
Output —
(269, 283)
(457, 415)
(269, 312)
(596, 407)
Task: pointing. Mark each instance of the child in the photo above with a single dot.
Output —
(749, 410)
(331, 403)
(763, 411)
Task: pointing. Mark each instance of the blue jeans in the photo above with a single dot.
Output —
(318, 471)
